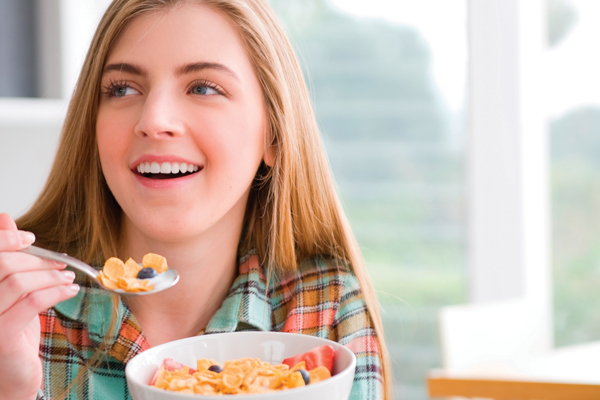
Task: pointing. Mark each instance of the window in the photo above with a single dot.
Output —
(574, 111)
(388, 83)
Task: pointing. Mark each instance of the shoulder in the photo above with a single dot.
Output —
(309, 299)
(326, 277)
(319, 272)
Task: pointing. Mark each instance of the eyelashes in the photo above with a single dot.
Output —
(200, 87)
(203, 83)
(110, 89)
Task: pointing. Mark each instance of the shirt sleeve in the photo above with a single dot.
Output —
(354, 328)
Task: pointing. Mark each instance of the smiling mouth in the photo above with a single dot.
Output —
(167, 170)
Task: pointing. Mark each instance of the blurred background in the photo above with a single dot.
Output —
(464, 136)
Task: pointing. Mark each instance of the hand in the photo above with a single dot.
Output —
(28, 286)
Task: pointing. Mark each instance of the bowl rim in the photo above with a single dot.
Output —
(332, 380)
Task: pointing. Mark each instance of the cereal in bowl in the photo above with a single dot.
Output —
(241, 376)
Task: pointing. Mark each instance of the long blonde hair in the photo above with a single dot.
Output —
(293, 211)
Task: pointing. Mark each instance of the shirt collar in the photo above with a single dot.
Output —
(247, 305)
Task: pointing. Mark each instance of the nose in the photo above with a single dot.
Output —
(160, 116)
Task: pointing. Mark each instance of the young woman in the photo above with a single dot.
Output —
(190, 134)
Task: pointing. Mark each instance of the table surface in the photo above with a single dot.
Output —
(563, 374)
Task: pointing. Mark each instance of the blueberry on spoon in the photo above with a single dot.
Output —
(147, 273)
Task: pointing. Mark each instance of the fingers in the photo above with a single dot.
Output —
(18, 285)
(16, 318)
(13, 240)
(16, 262)
(6, 222)
(28, 284)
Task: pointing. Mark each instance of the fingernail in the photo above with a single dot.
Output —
(74, 287)
(69, 275)
(59, 264)
(27, 238)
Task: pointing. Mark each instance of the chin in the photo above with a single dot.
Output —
(165, 228)
(170, 231)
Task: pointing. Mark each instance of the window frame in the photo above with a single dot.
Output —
(508, 212)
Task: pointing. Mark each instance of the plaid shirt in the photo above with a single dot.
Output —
(322, 299)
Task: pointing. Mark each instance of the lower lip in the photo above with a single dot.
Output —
(165, 183)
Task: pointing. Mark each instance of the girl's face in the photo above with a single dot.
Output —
(179, 94)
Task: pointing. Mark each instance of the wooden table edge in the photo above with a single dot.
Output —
(439, 386)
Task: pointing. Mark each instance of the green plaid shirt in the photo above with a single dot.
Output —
(322, 299)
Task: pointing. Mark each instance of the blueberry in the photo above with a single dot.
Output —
(147, 273)
(305, 375)
(215, 368)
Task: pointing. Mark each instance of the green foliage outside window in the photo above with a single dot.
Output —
(399, 173)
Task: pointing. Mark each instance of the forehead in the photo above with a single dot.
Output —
(180, 34)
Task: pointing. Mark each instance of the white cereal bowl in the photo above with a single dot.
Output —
(272, 347)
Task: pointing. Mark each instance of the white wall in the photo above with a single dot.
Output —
(29, 131)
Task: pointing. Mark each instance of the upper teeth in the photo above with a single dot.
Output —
(166, 168)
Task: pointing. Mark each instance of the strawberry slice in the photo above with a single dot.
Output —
(170, 365)
(317, 357)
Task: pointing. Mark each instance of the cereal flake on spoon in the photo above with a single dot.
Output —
(130, 276)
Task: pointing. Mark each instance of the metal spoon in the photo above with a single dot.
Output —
(161, 282)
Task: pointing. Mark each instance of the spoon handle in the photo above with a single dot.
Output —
(52, 255)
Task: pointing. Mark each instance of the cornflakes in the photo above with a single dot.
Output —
(131, 267)
(159, 263)
(119, 275)
(241, 376)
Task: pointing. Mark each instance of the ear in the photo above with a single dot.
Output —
(269, 154)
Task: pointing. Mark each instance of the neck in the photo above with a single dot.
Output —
(207, 266)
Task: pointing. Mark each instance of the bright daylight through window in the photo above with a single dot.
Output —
(388, 80)
(574, 110)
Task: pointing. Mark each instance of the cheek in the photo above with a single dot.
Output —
(232, 146)
(112, 143)
(235, 140)
(244, 155)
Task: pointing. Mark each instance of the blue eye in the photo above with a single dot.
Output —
(122, 91)
(204, 90)
(119, 89)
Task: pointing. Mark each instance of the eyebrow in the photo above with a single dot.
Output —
(199, 66)
(124, 67)
(183, 70)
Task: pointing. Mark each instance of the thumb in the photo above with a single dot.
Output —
(7, 223)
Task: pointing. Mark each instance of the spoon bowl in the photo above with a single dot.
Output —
(161, 282)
